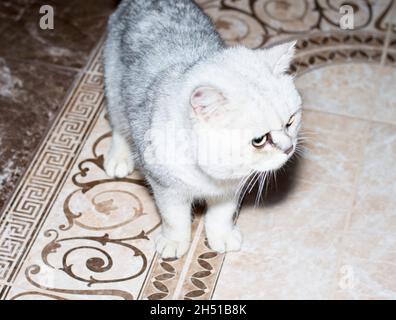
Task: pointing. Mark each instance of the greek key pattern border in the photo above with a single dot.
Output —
(22, 217)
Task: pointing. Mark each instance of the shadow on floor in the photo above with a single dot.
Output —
(276, 190)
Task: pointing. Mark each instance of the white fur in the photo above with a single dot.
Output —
(241, 90)
(222, 234)
(119, 161)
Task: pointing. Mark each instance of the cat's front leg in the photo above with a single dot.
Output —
(175, 210)
(221, 232)
(119, 159)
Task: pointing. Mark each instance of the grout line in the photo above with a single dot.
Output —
(386, 45)
(348, 217)
(147, 277)
(214, 287)
(351, 117)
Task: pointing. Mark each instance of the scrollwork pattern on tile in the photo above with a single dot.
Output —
(254, 23)
(99, 198)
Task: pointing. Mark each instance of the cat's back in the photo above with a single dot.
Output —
(161, 32)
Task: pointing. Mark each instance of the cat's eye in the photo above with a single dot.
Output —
(258, 143)
(291, 121)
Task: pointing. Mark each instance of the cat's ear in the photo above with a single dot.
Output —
(205, 99)
(281, 56)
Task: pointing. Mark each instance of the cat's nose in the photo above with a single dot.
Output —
(288, 151)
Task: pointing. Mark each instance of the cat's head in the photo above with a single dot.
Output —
(246, 111)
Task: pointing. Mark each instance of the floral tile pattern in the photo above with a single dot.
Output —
(325, 231)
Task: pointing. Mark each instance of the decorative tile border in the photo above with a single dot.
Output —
(259, 23)
(32, 199)
(319, 50)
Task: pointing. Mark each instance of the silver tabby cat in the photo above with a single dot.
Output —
(197, 118)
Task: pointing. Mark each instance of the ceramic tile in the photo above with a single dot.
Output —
(374, 204)
(367, 268)
(282, 261)
(329, 157)
(363, 91)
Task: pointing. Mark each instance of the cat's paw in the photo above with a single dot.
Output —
(118, 163)
(169, 248)
(225, 242)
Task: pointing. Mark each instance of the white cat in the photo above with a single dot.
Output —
(196, 117)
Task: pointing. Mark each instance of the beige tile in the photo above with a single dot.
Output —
(360, 90)
(290, 247)
(369, 246)
(367, 267)
(333, 149)
(309, 206)
(281, 262)
(375, 202)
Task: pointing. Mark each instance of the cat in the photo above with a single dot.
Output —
(196, 117)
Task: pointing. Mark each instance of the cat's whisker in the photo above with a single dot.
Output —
(267, 186)
(251, 184)
(261, 186)
(258, 192)
(243, 181)
(303, 140)
(242, 184)
(254, 180)
(275, 179)
(259, 181)
(304, 136)
(305, 131)
(250, 177)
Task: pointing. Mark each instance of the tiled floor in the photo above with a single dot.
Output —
(37, 67)
(326, 231)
